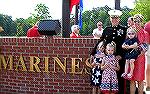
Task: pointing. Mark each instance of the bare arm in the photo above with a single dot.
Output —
(117, 67)
(135, 45)
(103, 65)
(91, 61)
(124, 46)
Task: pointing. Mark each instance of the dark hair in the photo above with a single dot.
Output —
(131, 18)
(95, 48)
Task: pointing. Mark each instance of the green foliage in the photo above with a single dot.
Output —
(91, 17)
(126, 14)
(142, 7)
(8, 25)
(41, 12)
(20, 26)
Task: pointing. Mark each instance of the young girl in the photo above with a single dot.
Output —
(130, 44)
(96, 70)
(109, 82)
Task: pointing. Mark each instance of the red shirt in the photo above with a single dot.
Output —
(33, 32)
(73, 35)
(147, 28)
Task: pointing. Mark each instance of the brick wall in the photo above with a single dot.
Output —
(53, 81)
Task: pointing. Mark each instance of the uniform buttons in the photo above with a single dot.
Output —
(113, 37)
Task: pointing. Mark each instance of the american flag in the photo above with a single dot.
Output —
(144, 47)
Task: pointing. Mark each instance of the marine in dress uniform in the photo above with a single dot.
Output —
(116, 33)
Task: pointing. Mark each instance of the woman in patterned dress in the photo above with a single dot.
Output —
(139, 71)
(109, 82)
(96, 70)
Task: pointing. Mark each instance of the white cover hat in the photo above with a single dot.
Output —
(115, 13)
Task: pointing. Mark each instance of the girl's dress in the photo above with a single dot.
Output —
(131, 53)
(96, 71)
(109, 80)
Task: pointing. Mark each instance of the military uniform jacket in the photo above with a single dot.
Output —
(116, 34)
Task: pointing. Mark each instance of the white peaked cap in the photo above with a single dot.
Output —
(115, 12)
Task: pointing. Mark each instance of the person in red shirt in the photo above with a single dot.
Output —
(33, 32)
(139, 69)
(75, 32)
(147, 29)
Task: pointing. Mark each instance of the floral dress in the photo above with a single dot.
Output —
(96, 71)
(109, 80)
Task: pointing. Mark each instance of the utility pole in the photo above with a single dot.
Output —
(66, 18)
(117, 4)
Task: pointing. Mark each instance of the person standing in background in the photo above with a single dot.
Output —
(97, 33)
(147, 28)
(33, 32)
(75, 32)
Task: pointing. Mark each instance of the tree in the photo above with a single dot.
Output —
(8, 25)
(142, 7)
(22, 26)
(125, 15)
(41, 12)
(91, 17)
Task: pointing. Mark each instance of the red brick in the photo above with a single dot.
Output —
(53, 91)
(21, 78)
(8, 87)
(58, 44)
(78, 88)
(12, 84)
(16, 87)
(63, 91)
(58, 82)
(58, 87)
(73, 91)
(29, 92)
(33, 89)
(39, 86)
(68, 45)
(21, 84)
(43, 89)
(48, 87)
(78, 81)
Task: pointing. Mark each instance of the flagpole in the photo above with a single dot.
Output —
(76, 14)
(117, 4)
(66, 18)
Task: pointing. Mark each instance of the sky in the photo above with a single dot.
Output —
(23, 8)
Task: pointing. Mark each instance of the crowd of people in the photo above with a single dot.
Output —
(118, 59)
